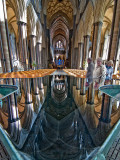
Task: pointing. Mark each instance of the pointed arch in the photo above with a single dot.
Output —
(88, 19)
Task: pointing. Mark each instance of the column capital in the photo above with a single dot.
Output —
(80, 43)
(21, 23)
(39, 43)
(33, 36)
(86, 36)
(98, 23)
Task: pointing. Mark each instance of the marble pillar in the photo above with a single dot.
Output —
(101, 49)
(114, 30)
(96, 39)
(90, 94)
(76, 58)
(38, 55)
(33, 50)
(80, 55)
(22, 36)
(82, 90)
(12, 109)
(85, 51)
(78, 83)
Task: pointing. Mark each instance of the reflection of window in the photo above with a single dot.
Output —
(59, 62)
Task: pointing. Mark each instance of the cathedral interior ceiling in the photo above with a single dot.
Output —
(11, 17)
(60, 16)
(61, 8)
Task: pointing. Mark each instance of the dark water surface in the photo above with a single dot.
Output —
(60, 131)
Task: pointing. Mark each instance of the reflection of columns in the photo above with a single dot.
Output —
(28, 96)
(90, 95)
(106, 109)
(82, 90)
(13, 110)
(96, 39)
(38, 56)
(71, 84)
(86, 48)
(114, 30)
(40, 83)
(80, 55)
(32, 48)
(101, 133)
(35, 86)
(28, 115)
(90, 117)
(22, 44)
(78, 83)
(35, 60)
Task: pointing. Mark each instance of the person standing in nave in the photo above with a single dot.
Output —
(109, 72)
(99, 73)
(90, 69)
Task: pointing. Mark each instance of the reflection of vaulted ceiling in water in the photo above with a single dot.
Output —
(60, 139)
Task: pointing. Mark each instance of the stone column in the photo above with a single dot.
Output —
(12, 109)
(33, 49)
(38, 56)
(101, 49)
(78, 83)
(3, 68)
(106, 109)
(34, 60)
(90, 94)
(82, 90)
(22, 36)
(28, 114)
(80, 55)
(73, 58)
(114, 30)
(86, 48)
(95, 52)
(43, 58)
(36, 82)
(96, 39)
(41, 83)
(115, 36)
(76, 58)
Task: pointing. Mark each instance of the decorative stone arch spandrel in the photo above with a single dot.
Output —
(88, 19)
(99, 10)
(76, 39)
(31, 20)
(20, 9)
(39, 32)
(80, 31)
